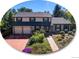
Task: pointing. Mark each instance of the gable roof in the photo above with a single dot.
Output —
(32, 14)
(59, 20)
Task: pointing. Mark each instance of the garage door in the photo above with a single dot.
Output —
(26, 29)
(17, 29)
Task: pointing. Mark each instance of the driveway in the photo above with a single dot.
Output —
(17, 36)
(18, 44)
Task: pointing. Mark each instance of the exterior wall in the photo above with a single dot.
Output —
(25, 20)
(50, 19)
(60, 27)
(14, 19)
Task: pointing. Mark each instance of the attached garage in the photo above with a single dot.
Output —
(26, 29)
(17, 29)
(21, 29)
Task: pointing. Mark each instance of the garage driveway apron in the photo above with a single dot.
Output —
(19, 44)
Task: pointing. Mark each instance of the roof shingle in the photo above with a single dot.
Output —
(59, 20)
(32, 14)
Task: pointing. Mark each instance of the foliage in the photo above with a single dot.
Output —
(71, 33)
(42, 30)
(42, 48)
(6, 21)
(63, 41)
(57, 11)
(69, 17)
(14, 11)
(62, 33)
(7, 32)
(36, 37)
(24, 9)
(58, 37)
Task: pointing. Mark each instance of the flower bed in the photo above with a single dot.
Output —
(63, 40)
(38, 44)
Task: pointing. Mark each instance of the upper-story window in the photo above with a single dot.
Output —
(32, 19)
(46, 19)
(66, 26)
(58, 25)
(25, 20)
(39, 19)
(18, 19)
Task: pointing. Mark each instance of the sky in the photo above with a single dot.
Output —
(37, 6)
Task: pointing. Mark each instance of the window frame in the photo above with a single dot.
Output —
(32, 19)
(19, 19)
(45, 20)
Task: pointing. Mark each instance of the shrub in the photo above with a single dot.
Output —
(41, 48)
(42, 30)
(59, 37)
(62, 32)
(6, 32)
(70, 33)
(36, 38)
(41, 37)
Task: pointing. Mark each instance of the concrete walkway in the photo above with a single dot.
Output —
(52, 43)
(18, 44)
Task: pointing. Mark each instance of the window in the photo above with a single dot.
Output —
(42, 27)
(32, 19)
(58, 29)
(37, 27)
(33, 27)
(19, 19)
(46, 19)
(25, 19)
(58, 26)
(39, 20)
(65, 26)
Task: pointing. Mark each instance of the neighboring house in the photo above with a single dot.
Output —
(26, 22)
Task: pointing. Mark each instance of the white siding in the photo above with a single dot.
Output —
(62, 27)
(14, 19)
(25, 19)
(39, 19)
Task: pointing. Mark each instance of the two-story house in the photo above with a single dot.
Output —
(26, 22)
